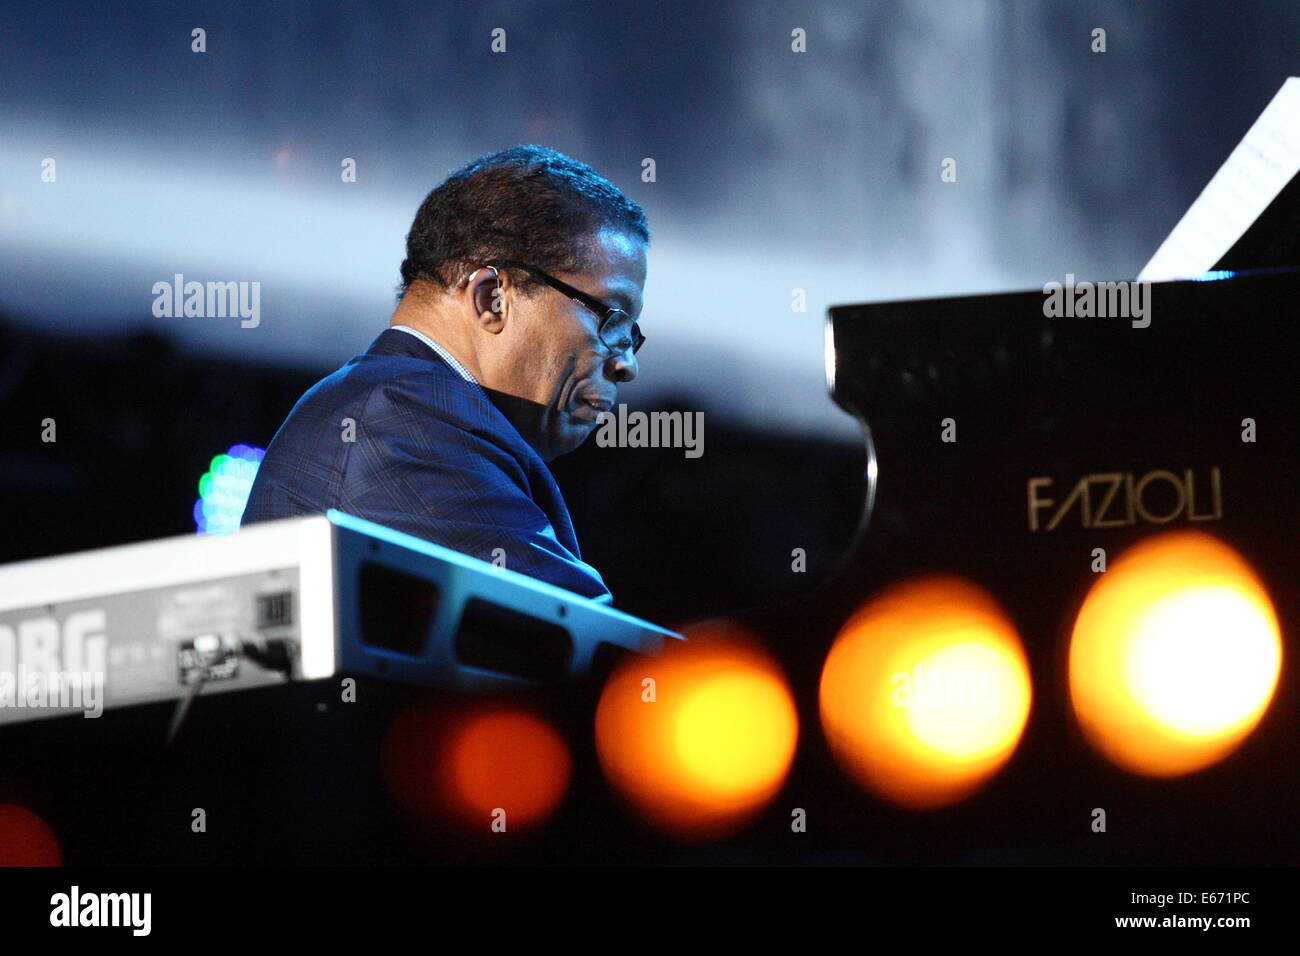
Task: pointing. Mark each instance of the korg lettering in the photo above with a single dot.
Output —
(45, 665)
(40, 644)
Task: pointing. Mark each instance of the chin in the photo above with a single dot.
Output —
(571, 439)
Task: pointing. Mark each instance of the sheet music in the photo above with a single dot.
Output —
(1259, 168)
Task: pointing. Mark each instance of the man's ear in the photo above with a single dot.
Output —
(485, 295)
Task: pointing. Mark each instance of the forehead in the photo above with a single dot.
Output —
(619, 269)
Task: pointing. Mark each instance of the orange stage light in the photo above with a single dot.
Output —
(1175, 655)
(26, 839)
(480, 764)
(925, 692)
(506, 760)
(700, 739)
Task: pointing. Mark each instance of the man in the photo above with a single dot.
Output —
(515, 326)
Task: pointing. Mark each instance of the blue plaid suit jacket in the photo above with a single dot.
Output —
(432, 457)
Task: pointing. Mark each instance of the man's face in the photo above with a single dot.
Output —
(556, 362)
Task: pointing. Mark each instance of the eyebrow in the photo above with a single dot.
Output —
(621, 299)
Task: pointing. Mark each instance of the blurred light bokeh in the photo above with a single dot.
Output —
(224, 489)
(26, 839)
(699, 740)
(507, 761)
(925, 692)
(1175, 655)
(472, 768)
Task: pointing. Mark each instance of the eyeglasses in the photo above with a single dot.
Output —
(616, 330)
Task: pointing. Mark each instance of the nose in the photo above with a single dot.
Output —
(621, 368)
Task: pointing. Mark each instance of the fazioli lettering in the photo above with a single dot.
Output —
(1120, 499)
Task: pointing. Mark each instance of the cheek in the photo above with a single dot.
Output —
(552, 370)
(566, 359)
(552, 355)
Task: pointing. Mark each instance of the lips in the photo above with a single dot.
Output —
(596, 402)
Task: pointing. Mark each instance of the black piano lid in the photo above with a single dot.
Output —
(1033, 397)
(1212, 336)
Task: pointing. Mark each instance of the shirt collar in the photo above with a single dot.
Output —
(446, 356)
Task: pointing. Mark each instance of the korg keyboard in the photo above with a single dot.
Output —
(295, 599)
